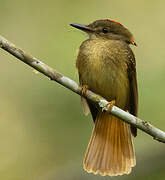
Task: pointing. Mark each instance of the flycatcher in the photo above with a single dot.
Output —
(106, 66)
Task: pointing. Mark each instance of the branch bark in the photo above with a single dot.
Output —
(35, 63)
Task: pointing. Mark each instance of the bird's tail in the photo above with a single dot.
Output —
(110, 150)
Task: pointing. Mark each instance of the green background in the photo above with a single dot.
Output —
(43, 133)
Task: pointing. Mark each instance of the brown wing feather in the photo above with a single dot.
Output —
(88, 105)
(93, 109)
(133, 89)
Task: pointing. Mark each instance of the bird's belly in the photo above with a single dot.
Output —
(108, 80)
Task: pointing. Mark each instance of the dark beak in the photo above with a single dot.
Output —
(82, 27)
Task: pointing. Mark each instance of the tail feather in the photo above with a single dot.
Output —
(110, 150)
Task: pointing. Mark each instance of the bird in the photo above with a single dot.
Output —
(106, 65)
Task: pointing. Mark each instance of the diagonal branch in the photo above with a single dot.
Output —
(72, 85)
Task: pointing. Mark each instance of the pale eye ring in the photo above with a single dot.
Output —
(105, 30)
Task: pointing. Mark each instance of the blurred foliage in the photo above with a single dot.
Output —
(43, 133)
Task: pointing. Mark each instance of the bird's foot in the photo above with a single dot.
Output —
(84, 89)
(110, 105)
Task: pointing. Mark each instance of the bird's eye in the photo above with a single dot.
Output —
(105, 30)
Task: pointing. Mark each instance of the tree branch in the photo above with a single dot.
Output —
(72, 85)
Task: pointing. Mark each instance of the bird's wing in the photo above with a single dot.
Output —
(85, 106)
(133, 88)
(88, 105)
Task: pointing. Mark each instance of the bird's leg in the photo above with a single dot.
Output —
(110, 105)
(84, 89)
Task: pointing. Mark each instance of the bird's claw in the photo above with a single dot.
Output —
(110, 105)
(84, 89)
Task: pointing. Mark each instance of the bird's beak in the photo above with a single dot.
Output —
(82, 27)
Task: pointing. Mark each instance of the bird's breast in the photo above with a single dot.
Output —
(101, 68)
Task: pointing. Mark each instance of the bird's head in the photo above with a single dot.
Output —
(107, 29)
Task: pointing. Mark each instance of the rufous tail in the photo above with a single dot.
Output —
(110, 150)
